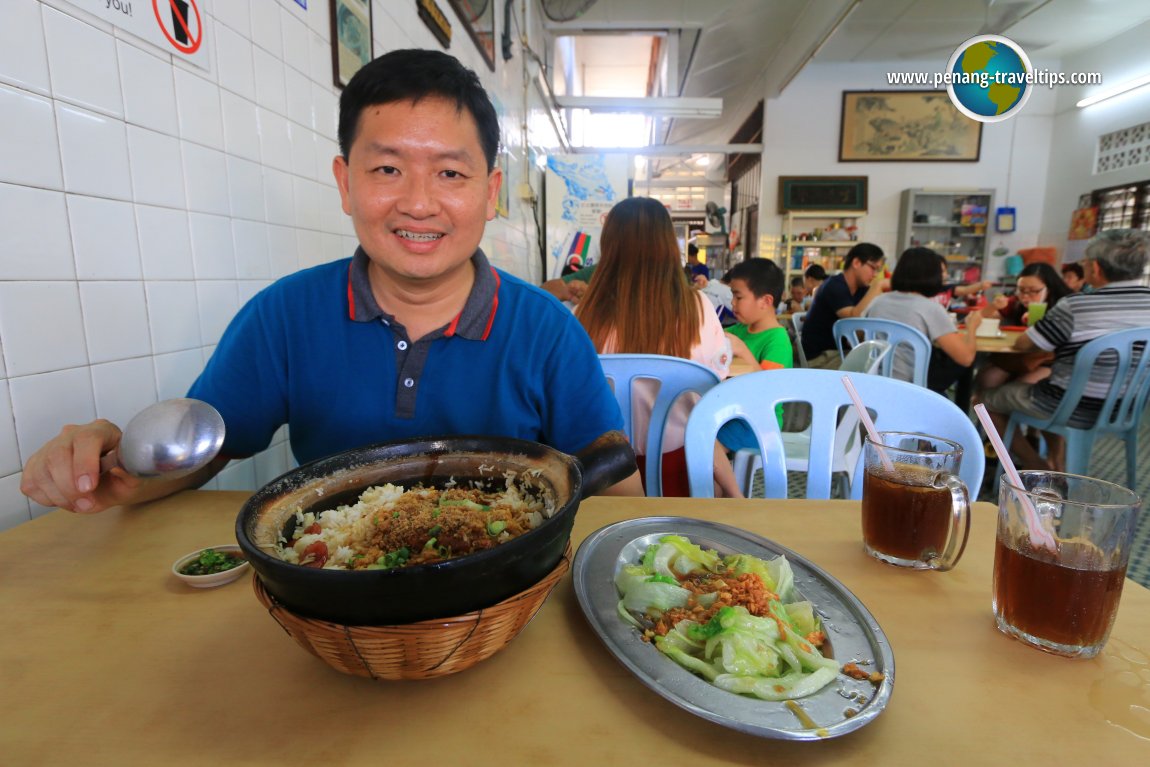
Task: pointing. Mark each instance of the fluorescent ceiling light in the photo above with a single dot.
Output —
(1116, 91)
(661, 107)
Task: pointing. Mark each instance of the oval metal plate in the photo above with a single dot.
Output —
(853, 633)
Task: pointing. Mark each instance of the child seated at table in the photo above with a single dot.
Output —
(758, 337)
(798, 297)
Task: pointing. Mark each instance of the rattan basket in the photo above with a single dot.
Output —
(422, 650)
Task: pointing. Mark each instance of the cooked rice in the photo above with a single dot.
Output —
(426, 524)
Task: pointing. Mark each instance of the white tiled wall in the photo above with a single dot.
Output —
(143, 200)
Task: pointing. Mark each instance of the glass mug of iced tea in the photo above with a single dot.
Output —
(1063, 599)
(915, 510)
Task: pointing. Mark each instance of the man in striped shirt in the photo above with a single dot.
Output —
(1114, 264)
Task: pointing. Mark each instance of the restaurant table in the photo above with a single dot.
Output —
(1001, 343)
(109, 659)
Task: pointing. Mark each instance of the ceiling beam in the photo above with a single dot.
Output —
(671, 150)
(663, 106)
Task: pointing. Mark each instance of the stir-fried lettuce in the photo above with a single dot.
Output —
(732, 620)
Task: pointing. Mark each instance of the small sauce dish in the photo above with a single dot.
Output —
(204, 568)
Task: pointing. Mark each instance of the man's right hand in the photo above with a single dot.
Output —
(66, 471)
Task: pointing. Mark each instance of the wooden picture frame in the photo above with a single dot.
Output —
(478, 16)
(906, 126)
(797, 193)
(351, 44)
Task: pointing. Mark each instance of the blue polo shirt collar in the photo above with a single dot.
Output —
(473, 323)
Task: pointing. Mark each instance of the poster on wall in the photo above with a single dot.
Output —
(1083, 226)
(478, 17)
(175, 26)
(351, 38)
(581, 189)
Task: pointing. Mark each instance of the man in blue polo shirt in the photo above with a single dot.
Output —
(846, 294)
(415, 335)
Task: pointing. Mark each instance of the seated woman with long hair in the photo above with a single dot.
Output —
(917, 278)
(1036, 283)
(640, 302)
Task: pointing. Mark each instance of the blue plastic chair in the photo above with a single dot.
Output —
(865, 357)
(797, 320)
(896, 406)
(675, 377)
(1122, 408)
(852, 330)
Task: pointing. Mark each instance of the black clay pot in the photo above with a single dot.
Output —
(404, 595)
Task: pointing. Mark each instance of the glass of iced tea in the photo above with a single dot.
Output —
(1063, 599)
(915, 510)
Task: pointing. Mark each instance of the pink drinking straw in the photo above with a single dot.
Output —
(1039, 536)
(867, 423)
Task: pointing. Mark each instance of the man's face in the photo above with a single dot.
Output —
(864, 271)
(417, 188)
(1094, 275)
(1073, 281)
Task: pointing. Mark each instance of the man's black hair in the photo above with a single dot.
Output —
(864, 251)
(816, 272)
(761, 275)
(414, 74)
(797, 281)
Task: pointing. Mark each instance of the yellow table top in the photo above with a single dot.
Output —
(1003, 343)
(108, 659)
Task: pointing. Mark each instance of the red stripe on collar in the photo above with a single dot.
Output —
(494, 306)
(350, 294)
(451, 328)
(490, 320)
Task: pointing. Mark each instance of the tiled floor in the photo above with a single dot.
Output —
(1109, 463)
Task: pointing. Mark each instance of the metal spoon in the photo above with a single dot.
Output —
(169, 439)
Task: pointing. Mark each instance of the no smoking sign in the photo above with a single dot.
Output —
(185, 33)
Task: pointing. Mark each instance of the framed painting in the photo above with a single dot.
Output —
(479, 18)
(350, 39)
(822, 193)
(906, 126)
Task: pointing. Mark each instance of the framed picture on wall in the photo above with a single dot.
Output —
(351, 46)
(906, 126)
(822, 193)
(479, 18)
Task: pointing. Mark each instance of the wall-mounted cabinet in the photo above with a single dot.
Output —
(954, 223)
(818, 237)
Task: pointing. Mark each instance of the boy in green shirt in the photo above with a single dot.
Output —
(756, 289)
(758, 338)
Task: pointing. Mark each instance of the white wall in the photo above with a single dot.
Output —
(142, 201)
(1076, 131)
(801, 138)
